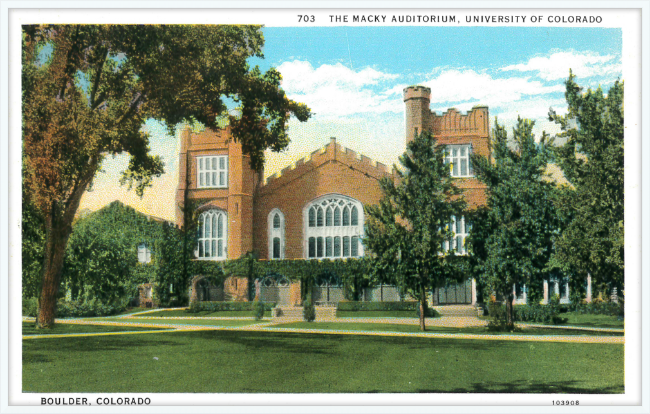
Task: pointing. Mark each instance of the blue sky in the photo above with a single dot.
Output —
(352, 78)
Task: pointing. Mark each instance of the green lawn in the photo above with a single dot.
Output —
(387, 327)
(158, 321)
(600, 321)
(184, 313)
(69, 328)
(257, 362)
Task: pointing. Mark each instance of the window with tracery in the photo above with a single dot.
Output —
(333, 228)
(213, 235)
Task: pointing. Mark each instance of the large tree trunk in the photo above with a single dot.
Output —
(510, 315)
(423, 307)
(58, 227)
(57, 233)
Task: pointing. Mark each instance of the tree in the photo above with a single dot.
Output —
(592, 240)
(87, 90)
(512, 237)
(406, 231)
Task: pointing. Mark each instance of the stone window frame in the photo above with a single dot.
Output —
(326, 234)
(215, 168)
(144, 253)
(276, 233)
(207, 237)
(456, 160)
(461, 229)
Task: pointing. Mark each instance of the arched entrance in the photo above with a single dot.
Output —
(275, 288)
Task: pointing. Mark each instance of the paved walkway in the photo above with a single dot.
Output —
(269, 327)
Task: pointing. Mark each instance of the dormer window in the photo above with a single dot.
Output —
(212, 171)
(458, 156)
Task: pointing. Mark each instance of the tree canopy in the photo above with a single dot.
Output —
(512, 236)
(592, 207)
(87, 90)
(406, 231)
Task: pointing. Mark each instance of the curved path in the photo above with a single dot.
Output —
(130, 320)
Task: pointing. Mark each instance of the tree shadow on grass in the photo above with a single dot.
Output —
(532, 387)
(289, 343)
(98, 343)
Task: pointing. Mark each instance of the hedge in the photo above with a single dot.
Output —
(226, 306)
(378, 306)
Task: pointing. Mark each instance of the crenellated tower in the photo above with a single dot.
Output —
(417, 100)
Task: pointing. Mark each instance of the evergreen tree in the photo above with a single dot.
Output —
(512, 237)
(592, 240)
(406, 231)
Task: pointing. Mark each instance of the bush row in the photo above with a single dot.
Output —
(600, 308)
(378, 306)
(78, 308)
(527, 313)
(227, 306)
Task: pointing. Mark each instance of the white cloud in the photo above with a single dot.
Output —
(556, 65)
(336, 90)
(455, 85)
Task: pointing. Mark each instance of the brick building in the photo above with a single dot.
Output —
(314, 208)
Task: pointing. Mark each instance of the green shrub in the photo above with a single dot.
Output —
(308, 311)
(428, 312)
(92, 307)
(378, 306)
(259, 310)
(226, 306)
(601, 308)
(527, 313)
(30, 306)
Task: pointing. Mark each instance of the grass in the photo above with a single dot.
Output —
(184, 313)
(68, 328)
(258, 362)
(387, 327)
(201, 322)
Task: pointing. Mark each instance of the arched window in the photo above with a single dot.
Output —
(276, 234)
(213, 235)
(333, 228)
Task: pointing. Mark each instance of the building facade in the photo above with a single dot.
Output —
(313, 209)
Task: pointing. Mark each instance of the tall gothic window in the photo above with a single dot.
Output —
(213, 235)
(333, 228)
(276, 234)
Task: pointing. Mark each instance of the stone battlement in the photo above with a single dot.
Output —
(453, 122)
(328, 153)
(418, 91)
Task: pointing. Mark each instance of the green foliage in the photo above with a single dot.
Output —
(89, 307)
(599, 308)
(378, 306)
(535, 312)
(406, 230)
(30, 306)
(196, 307)
(91, 98)
(592, 207)
(101, 260)
(33, 243)
(308, 309)
(512, 237)
(260, 308)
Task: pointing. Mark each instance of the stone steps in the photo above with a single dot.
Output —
(295, 313)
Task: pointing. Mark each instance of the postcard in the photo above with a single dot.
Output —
(266, 208)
